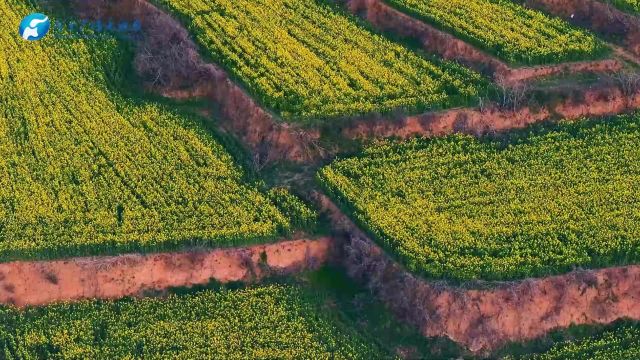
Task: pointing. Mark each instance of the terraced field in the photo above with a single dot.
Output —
(540, 202)
(90, 167)
(273, 321)
(512, 32)
(306, 60)
(85, 170)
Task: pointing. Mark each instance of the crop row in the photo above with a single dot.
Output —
(84, 170)
(632, 6)
(306, 59)
(510, 31)
(268, 322)
(539, 202)
(621, 343)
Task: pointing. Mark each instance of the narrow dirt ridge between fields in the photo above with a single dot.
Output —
(597, 16)
(168, 62)
(387, 19)
(491, 314)
(112, 277)
(600, 100)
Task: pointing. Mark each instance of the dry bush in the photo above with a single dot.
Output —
(167, 57)
(629, 82)
(512, 96)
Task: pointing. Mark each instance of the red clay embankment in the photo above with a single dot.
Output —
(484, 320)
(598, 101)
(43, 282)
(388, 19)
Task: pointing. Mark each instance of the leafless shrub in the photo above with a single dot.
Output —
(261, 156)
(247, 262)
(167, 57)
(51, 277)
(512, 96)
(628, 81)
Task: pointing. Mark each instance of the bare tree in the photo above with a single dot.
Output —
(513, 96)
(628, 81)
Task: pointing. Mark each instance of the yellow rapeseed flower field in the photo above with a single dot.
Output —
(84, 170)
(545, 201)
(510, 31)
(267, 322)
(621, 342)
(632, 6)
(308, 60)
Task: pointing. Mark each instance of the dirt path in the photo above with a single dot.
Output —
(39, 283)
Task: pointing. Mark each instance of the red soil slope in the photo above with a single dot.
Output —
(598, 101)
(39, 283)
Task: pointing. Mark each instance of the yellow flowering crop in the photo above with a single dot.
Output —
(543, 202)
(622, 342)
(267, 322)
(307, 60)
(508, 30)
(632, 6)
(84, 170)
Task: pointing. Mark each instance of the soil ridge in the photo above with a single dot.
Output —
(33, 283)
(483, 320)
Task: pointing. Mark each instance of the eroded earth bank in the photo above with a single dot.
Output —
(487, 315)
(41, 282)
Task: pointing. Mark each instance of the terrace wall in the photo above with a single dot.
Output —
(43, 282)
(600, 100)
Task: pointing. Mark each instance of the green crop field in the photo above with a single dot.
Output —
(308, 60)
(512, 32)
(540, 202)
(632, 6)
(85, 170)
(98, 159)
(621, 343)
(272, 321)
